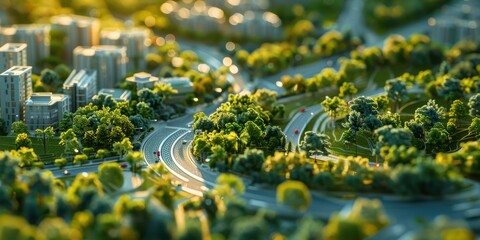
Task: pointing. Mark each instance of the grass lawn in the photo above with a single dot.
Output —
(339, 148)
(310, 124)
(8, 143)
(382, 75)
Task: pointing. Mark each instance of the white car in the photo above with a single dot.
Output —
(65, 172)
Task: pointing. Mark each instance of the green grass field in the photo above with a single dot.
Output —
(8, 143)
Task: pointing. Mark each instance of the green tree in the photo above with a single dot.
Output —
(274, 138)
(250, 161)
(229, 185)
(473, 103)
(23, 140)
(164, 90)
(19, 127)
(81, 124)
(111, 175)
(60, 162)
(219, 155)
(396, 91)
(364, 105)
(451, 89)
(347, 89)
(50, 79)
(27, 157)
(122, 147)
(44, 135)
(80, 159)
(390, 136)
(266, 98)
(382, 103)
(314, 142)
(474, 128)
(458, 110)
(294, 194)
(15, 227)
(70, 141)
(332, 106)
(429, 114)
(135, 159)
(3, 127)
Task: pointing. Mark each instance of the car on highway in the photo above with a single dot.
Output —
(302, 110)
(123, 165)
(296, 131)
(156, 161)
(65, 172)
(184, 142)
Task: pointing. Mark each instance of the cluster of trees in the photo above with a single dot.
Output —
(383, 14)
(342, 79)
(270, 58)
(243, 122)
(425, 175)
(37, 206)
(92, 128)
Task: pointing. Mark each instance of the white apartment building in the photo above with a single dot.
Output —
(13, 54)
(15, 89)
(37, 38)
(79, 31)
(143, 80)
(110, 62)
(134, 39)
(45, 109)
(81, 86)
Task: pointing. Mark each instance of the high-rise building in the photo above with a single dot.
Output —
(45, 109)
(15, 89)
(79, 31)
(81, 85)
(13, 54)
(135, 40)
(37, 38)
(110, 62)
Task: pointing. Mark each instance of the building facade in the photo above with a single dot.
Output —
(135, 40)
(81, 86)
(37, 38)
(45, 109)
(110, 62)
(12, 54)
(183, 85)
(79, 31)
(15, 89)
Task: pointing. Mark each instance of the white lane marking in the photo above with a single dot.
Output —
(166, 165)
(257, 203)
(200, 179)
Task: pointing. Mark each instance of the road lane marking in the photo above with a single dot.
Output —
(200, 179)
(165, 163)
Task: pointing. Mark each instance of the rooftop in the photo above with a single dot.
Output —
(13, 47)
(178, 81)
(101, 49)
(45, 99)
(80, 77)
(142, 77)
(16, 70)
(116, 93)
(117, 33)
